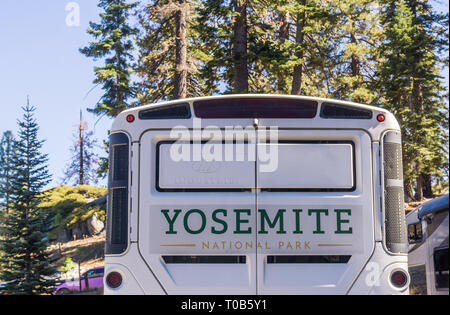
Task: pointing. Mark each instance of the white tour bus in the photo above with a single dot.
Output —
(428, 247)
(256, 194)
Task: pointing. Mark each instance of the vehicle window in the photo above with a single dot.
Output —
(415, 233)
(90, 273)
(441, 267)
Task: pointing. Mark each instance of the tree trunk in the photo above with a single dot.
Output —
(81, 144)
(409, 194)
(355, 64)
(283, 36)
(427, 187)
(419, 186)
(239, 49)
(180, 84)
(299, 39)
(284, 27)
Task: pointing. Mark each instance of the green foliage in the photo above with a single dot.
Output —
(157, 53)
(68, 265)
(67, 203)
(83, 213)
(112, 41)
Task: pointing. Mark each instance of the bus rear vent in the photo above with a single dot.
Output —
(307, 259)
(255, 107)
(396, 235)
(117, 215)
(229, 259)
(177, 111)
(338, 111)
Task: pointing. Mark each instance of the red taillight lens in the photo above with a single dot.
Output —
(131, 118)
(381, 118)
(399, 279)
(114, 280)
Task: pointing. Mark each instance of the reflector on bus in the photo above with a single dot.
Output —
(255, 108)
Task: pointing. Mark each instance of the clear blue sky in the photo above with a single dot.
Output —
(39, 57)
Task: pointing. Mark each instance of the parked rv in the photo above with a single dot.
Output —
(428, 247)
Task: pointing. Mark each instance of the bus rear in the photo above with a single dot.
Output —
(256, 194)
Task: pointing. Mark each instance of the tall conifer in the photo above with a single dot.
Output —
(113, 41)
(25, 263)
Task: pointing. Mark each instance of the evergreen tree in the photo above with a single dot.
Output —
(81, 168)
(113, 41)
(26, 265)
(7, 156)
(412, 88)
(359, 36)
(214, 26)
(170, 55)
(227, 35)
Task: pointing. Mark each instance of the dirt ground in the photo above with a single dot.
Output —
(89, 252)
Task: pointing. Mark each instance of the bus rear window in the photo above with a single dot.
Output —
(255, 108)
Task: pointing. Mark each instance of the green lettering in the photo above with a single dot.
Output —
(186, 219)
(172, 220)
(265, 218)
(339, 221)
(239, 221)
(318, 225)
(215, 219)
(297, 221)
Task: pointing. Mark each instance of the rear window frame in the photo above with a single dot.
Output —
(196, 190)
(352, 189)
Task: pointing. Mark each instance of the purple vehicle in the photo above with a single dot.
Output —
(90, 280)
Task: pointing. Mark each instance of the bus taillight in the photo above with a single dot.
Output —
(131, 118)
(399, 279)
(114, 280)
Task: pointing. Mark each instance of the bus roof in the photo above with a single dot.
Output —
(370, 124)
(432, 206)
(237, 96)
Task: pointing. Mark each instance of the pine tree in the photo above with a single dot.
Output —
(7, 156)
(26, 265)
(412, 88)
(225, 34)
(170, 55)
(81, 169)
(239, 50)
(358, 39)
(214, 26)
(113, 41)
